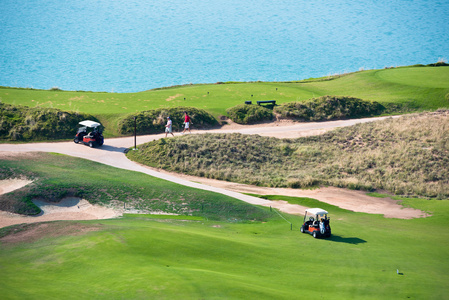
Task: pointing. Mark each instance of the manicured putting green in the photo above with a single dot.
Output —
(424, 77)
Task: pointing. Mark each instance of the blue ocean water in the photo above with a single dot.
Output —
(131, 45)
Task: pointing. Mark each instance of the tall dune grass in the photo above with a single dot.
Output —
(405, 156)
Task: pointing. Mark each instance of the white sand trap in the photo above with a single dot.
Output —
(70, 208)
(74, 205)
(9, 185)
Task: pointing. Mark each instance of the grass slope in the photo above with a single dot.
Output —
(57, 176)
(140, 258)
(416, 88)
(419, 87)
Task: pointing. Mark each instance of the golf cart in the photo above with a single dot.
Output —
(316, 223)
(89, 134)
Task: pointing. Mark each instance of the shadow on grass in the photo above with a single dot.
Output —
(347, 240)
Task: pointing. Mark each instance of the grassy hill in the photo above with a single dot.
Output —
(405, 156)
(56, 176)
(409, 88)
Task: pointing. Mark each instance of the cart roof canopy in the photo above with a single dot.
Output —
(316, 211)
(89, 123)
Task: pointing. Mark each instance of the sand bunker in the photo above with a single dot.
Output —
(9, 185)
(76, 207)
(70, 208)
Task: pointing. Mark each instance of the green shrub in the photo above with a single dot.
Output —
(440, 63)
(153, 121)
(21, 123)
(329, 108)
(249, 114)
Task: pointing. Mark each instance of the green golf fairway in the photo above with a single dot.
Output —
(424, 87)
(368, 257)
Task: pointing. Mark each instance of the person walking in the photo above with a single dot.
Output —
(168, 127)
(186, 123)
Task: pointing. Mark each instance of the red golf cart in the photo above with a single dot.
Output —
(90, 134)
(316, 223)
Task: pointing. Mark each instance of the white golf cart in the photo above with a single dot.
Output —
(316, 223)
(90, 133)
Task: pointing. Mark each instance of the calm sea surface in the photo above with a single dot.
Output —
(131, 46)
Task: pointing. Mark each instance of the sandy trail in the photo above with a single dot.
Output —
(357, 201)
(112, 154)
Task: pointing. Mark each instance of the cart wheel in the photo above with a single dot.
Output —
(314, 234)
(91, 144)
(302, 229)
(76, 140)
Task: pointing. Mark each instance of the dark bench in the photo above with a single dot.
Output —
(248, 102)
(273, 102)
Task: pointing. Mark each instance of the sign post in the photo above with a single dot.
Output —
(135, 133)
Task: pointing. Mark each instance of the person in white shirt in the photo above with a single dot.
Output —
(168, 127)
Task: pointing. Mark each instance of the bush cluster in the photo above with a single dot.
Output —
(21, 123)
(153, 121)
(249, 114)
(406, 156)
(440, 63)
(329, 108)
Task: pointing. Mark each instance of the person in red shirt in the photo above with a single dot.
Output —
(186, 122)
